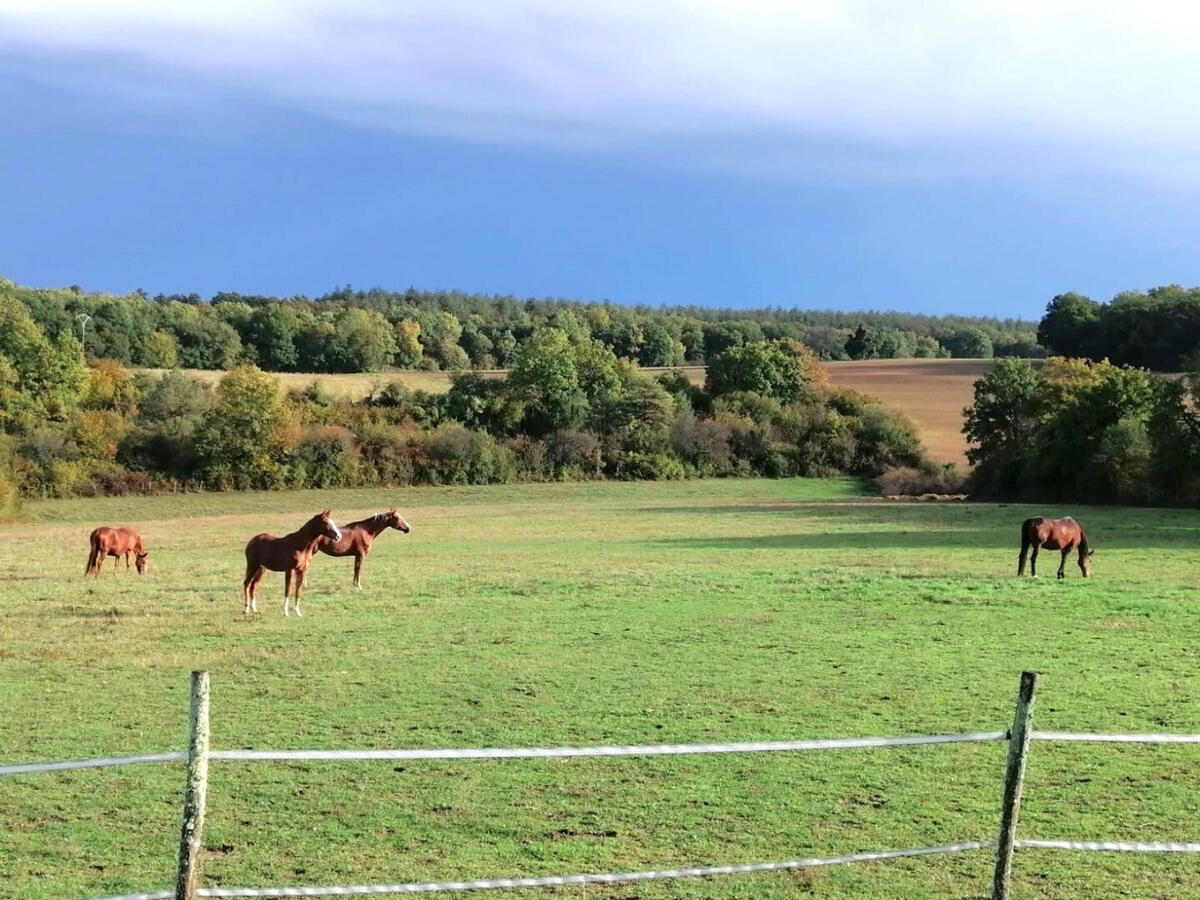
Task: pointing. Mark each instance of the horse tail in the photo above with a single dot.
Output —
(93, 541)
(1027, 538)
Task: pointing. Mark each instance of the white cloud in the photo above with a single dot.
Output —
(1058, 84)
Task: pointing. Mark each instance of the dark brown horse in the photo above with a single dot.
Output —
(290, 554)
(357, 537)
(115, 542)
(1054, 534)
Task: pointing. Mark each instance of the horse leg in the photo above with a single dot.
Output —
(301, 577)
(258, 576)
(358, 564)
(1033, 561)
(1062, 566)
(1021, 558)
(248, 586)
(287, 592)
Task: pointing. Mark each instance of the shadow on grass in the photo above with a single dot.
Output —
(960, 524)
(869, 542)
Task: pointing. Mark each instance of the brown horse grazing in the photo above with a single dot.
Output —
(290, 554)
(115, 542)
(357, 537)
(1054, 534)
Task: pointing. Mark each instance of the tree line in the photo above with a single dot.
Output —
(367, 331)
(1158, 329)
(570, 408)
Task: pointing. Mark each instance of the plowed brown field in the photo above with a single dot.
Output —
(932, 392)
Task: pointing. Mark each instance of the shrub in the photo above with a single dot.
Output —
(457, 455)
(110, 386)
(530, 458)
(384, 455)
(928, 478)
(110, 480)
(753, 445)
(884, 438)
(324, 457)
(703, 444)
(748, 405)
(99, 434)
(167, 449)
(649, 467)
(573, 454)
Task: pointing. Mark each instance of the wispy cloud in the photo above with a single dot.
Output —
(990, 86)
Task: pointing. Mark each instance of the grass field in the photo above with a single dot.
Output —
(932, 392)
(600, 613)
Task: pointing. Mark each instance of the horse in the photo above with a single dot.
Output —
(290, 554)
(115, 542)
(357, 537)
(1054, 534)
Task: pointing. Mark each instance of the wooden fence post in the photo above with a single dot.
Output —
(1014, 779)
(197, 788)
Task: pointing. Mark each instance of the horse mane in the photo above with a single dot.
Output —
(370, 520)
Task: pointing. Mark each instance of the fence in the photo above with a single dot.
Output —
(1018, 736)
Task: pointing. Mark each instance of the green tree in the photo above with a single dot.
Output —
(660, 346)
(271, 331)
(161, 350)
(968, 343)
(782, 370)
(546, 379)
(238, 438)
(361, 342)
(1069, 325)
(408, 343)
(1000, 425)
(42, 380)
(205, 342)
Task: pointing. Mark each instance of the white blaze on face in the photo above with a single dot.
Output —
(337, 532)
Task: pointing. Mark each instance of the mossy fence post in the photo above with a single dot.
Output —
(195, 792)
(1014, 781)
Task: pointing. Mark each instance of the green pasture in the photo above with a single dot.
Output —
(600, 613)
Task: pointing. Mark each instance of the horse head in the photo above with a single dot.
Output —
(1085, 561)
(326, 527)
(141, 562)
(395, 520)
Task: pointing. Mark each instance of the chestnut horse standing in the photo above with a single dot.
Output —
(357, 537)
(115, 542)
(1054, 534)
(290, 554)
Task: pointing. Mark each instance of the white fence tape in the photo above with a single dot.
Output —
(609, 878)
(615, 750)
(622, 750)
(1117, 846)
(100, 762)
(1116, 738)
(659, 874)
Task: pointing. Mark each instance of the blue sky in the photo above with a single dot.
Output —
(851, 156)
